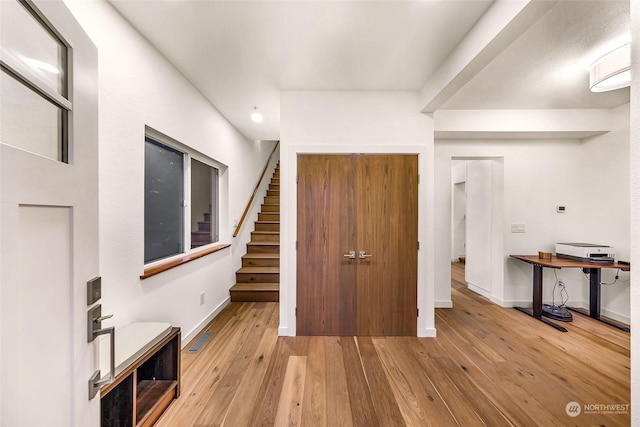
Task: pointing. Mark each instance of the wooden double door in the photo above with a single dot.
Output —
(357, 245)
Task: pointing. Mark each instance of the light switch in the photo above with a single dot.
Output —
(517, 228)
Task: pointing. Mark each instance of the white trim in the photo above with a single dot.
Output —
(427, 333)
(186, 339)
(189, 154)
(444, 304)
(616, 316)
(479, 290)
(283, 331)
(288, 233)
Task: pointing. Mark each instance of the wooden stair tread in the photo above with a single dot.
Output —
(252, 287)
(260, 255)
(270, 270)
(257, 279)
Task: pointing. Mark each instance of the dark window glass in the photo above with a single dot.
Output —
(163, 201)
(204, 218)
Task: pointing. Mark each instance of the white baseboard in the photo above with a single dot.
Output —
(478, 290)
(186, 339)
(444, 304)
(616, 316)
(512, 303)
(283, 331)
(427, 333)
(571, 303)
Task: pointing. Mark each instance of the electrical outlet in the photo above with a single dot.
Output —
(201, 298)
(517, 228)
(235, 222)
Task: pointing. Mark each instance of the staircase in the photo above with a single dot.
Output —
(259, 277)
(202, 236)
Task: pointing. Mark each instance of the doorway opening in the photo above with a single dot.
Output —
(477, 212)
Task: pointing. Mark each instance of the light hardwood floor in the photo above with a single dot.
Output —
(488, 366)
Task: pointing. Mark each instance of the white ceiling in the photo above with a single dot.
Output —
(242, 54)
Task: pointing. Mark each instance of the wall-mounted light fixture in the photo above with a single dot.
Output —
(256, 116)
(611, 71)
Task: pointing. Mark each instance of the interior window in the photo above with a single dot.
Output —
(163, 201)
(33, 83)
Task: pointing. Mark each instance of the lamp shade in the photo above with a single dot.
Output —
(611, 71)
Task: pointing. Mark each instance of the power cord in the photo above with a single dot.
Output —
(615, 279)
(564, 295)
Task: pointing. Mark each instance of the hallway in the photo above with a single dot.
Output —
(488, 366)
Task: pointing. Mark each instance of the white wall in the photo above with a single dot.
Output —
(139, 88)
(484, 226)
(635, 211)
(354, 122)
(477, 273)
(538, 176)
(458, 209)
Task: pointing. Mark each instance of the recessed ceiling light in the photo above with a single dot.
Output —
(611, 71)
(256, 116)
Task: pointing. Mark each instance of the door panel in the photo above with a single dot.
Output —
(361, 203)
(388, 231)
(40, 289)
(326, 295)
(49, 245)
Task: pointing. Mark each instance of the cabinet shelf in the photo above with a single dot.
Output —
(144, 389)
(152, 399)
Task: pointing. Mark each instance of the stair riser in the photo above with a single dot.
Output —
(259, 237)
(271, 249)
(261, 262)
(257, 278)
(200, 240)
(263, 216)
(267, 227)
(204, 226)
(255, 296)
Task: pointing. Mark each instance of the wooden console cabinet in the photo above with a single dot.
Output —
(143, 390)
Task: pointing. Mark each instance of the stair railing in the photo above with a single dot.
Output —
(246, 210)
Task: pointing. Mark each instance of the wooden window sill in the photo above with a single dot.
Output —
(159, 268)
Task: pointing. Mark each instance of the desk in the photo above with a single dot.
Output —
(590, 268)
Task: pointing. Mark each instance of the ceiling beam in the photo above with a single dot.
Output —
(523, 124)
(502, 23)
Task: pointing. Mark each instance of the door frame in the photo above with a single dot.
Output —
(496, 244)
(288, 220)
(338, 296)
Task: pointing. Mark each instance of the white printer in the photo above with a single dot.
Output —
(586, 252)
